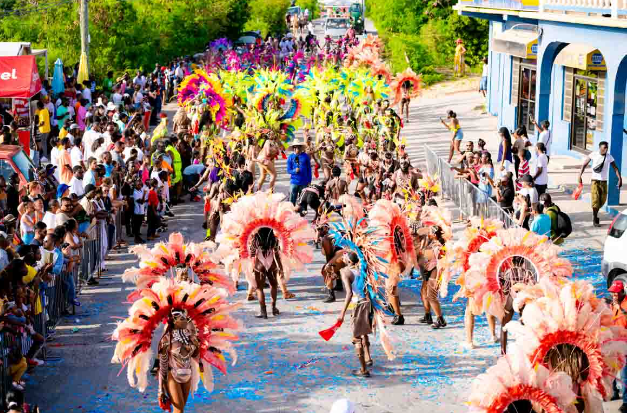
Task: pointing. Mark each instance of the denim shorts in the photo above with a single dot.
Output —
(484, 83)
(459, 135)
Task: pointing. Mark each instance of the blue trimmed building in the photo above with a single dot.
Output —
(564, 61)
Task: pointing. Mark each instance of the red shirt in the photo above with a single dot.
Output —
(153, 198)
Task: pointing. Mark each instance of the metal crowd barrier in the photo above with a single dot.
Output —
(55, 302)
(470, 200)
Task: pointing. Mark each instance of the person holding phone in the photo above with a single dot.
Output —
(601, 162)
(458, 134)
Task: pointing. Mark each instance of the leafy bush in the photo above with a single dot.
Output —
(426, 32)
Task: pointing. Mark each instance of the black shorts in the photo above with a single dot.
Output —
(404, 100)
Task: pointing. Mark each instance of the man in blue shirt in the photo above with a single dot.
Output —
(541, 222)
(299, 168)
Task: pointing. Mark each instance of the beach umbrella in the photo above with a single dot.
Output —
(57, 78)
(83, 73)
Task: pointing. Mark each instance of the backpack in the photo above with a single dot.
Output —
(564, 226)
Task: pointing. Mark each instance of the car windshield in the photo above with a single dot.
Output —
(355, 8)
(293, 10)
(25, 165)
(337, 24)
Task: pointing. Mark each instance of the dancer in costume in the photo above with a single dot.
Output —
(478, 232)
(199, 326)
(402, 256)
(511, 256)
(265, 160)
(431, 250)
(406, 86)
(331, 272)
(566, 327)
(362, 318)
(272, 253)
(366, 279)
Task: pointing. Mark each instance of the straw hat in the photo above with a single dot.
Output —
(297, 142)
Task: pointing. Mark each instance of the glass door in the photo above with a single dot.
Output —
(584, 114)
(527, 98)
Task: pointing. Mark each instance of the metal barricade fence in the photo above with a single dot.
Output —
(470, 200)
(55, 302)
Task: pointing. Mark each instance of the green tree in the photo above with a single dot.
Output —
(267, 16)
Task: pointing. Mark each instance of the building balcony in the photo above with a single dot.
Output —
(612, 12)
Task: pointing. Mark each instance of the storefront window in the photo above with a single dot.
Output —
(527, 97)
(584, 122)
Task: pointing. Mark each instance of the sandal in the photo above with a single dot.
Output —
(287, 295)
(369, 363)
(359, 373)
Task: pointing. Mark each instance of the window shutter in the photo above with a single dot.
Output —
(569, 79)
(600, 100)
(513, 99)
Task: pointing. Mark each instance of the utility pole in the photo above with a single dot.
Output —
(84, 13)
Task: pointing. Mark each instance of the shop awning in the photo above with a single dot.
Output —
(517, 42)
(19, 77)
(581, 56)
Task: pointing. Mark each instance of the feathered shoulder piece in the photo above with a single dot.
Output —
(370, 279)
(164, 258)
(352, 209)
(506, 250)
(565, 324)
(248, 215)
(514, 379)
(205, 306)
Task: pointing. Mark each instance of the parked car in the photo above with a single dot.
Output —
(336, 27)
(14, 160)
(614, 264)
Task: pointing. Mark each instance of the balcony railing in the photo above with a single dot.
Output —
(607, 8)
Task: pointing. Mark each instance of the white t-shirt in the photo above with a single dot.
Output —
(597, 158)
(546, 138)
(127, 153)
(531, 192)
(54, 159)
(76, 187)
(52, 111)
(484, 71)
(116, 98)
(138, 97)
(542, 162)
(140, 208)
(77, 156)
(86, 94)
(50, 220)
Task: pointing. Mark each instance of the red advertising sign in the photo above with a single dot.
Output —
(19, 77)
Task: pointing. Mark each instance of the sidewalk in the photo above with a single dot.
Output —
(425, 129)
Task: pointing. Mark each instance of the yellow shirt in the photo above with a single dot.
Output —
(44, 120)
(62, 133)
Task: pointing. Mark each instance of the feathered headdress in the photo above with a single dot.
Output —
(159, 261)
(206, 307)
(433, 215)
(264, 210)
(388, 218)
(458, 252)
(399, 80)
(513, 379)
(483, 279)
(569, 314)
(370, 279)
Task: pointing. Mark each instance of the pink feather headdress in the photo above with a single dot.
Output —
(482, 279)
(397, 85)
(515, 378)
(570, 313)
(264, 210)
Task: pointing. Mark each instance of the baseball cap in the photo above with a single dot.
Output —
(617, 287)
(73, 126)
(527, 179)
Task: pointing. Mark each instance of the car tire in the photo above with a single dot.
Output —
(616, 274)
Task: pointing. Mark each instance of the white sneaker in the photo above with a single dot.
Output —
(468, 346)
(38, 361)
